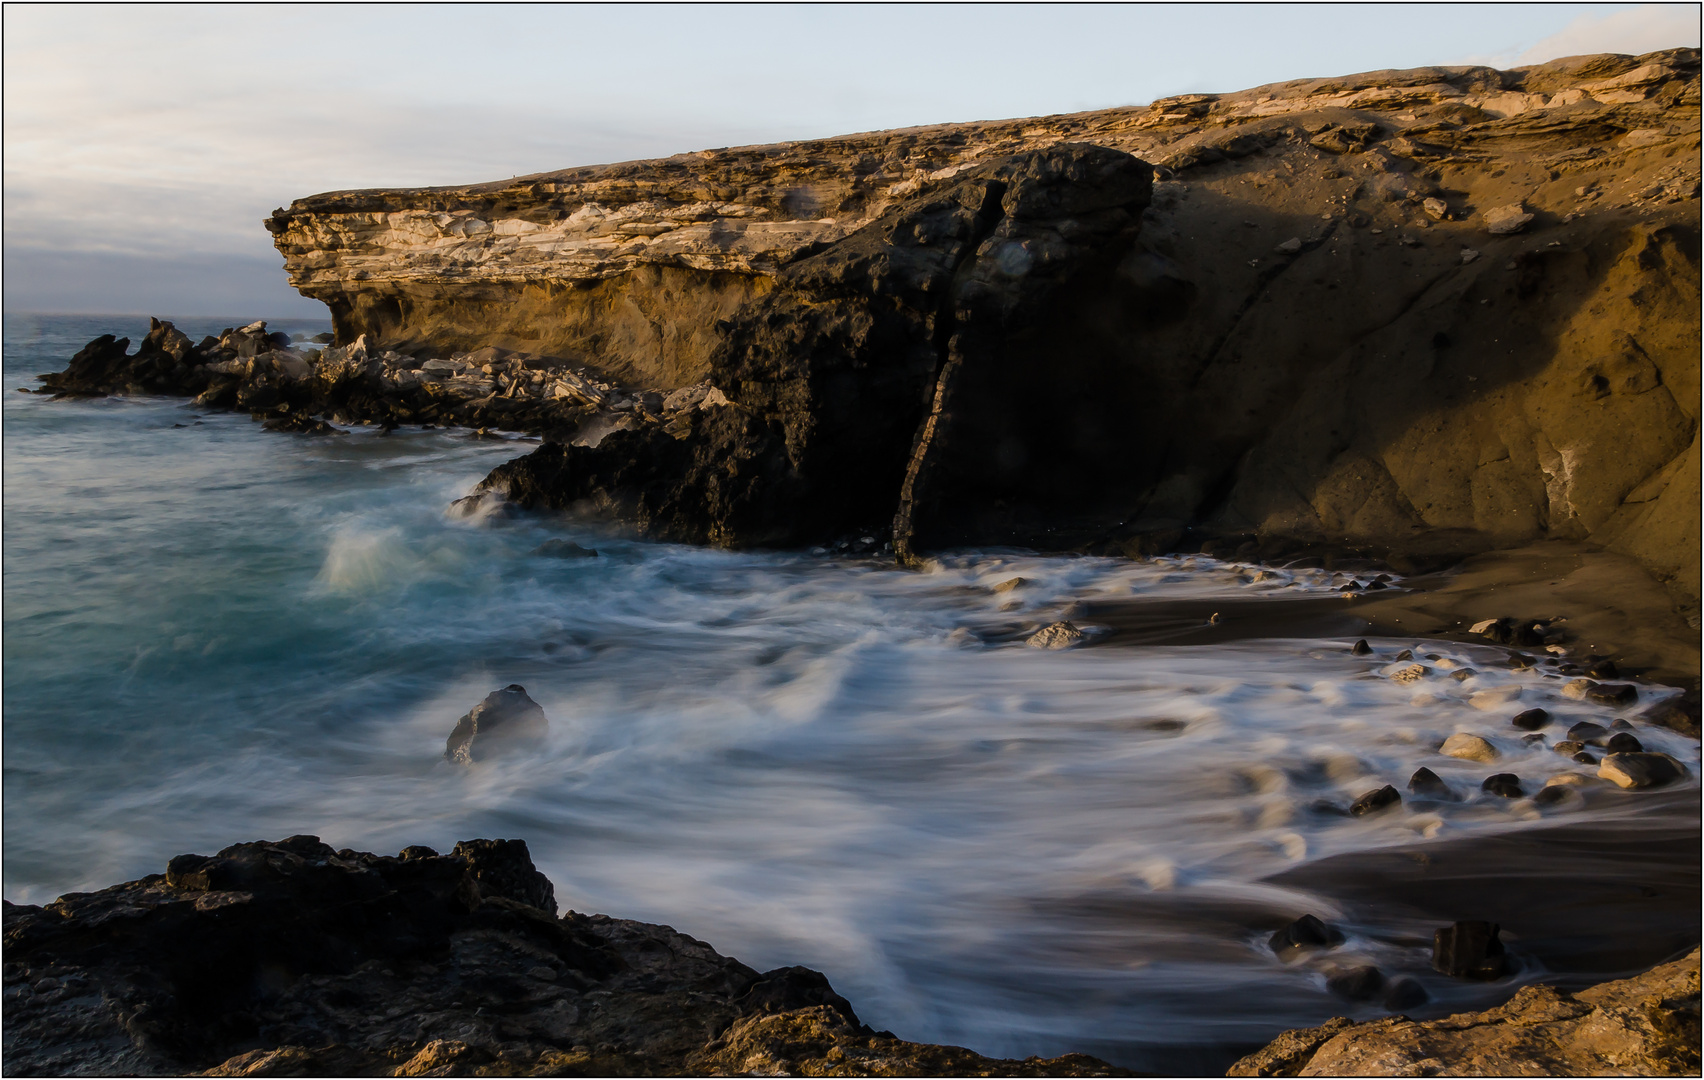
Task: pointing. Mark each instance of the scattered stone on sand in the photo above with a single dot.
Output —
(1360, 648)
(1427, 784)
(1374, 801)
(1624, 743)
(1470, 950)
(1587, 732)
(1059, 635)
(1641, 770)
(564, 549)
(506, 721)
(1495, 698)
(1360, 983)
(1504, 220)
(1643, 1026)
(1010, 584)
(1290, 246)
(1436, 209)
(1411, 673)
(1531, 719)
(1306, 933)
(1505, 784)
(1468, 748)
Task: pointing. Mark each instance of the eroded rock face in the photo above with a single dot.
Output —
(289, 958)
(1643, 1026)
(1325, 331)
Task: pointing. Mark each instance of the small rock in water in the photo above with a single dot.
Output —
(1374, 801)
(1495, 698)
(1406, 654)
(1587, 732)
(1060, 635)
(1531, 720)
(1404, 992)
(1602, 667)
(1469, 950)
(1615, 695)
(506, 720)
(1623, 743)
(1621, 725)
(1468, 748)
(1463, 674)
(1429, 785)
(1535, 737)
(1362, 983)
(1411, 673)
(1641, 770)
(564, 549)
(1577, 689)
(1551, 794)
(1505, 784)
(1586, 759)
(1010, 584)
(1569, 747)
(1360, 648)
(1307, 932)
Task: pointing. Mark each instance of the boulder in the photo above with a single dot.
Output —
(506, 721)
(1504, 220)
(1469, 950)
(1361, 983)
(1624, 743)
(1410, 674)
(1641, 770)
(1469, 748)
(1588, 733)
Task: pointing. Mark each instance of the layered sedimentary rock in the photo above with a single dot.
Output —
(1643, 1026)
(288, 958)
(1447, 309)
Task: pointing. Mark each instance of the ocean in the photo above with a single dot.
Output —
(215, 634)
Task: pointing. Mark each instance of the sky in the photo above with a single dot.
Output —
(144, 144)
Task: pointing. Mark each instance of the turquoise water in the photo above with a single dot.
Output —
(215, 634)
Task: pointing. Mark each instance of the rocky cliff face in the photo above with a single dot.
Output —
(1439, 310)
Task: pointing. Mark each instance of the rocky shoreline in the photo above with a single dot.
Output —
(290, 958)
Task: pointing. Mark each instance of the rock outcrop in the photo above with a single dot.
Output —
(1643, 1026)
(1446, 309)
(292, 959)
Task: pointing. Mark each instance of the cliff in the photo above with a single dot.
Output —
(1442, 310)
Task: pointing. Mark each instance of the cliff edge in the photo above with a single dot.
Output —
(1443, 310)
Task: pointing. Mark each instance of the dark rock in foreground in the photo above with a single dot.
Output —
(1643, 1026)
(1469, 949)
(292, 959)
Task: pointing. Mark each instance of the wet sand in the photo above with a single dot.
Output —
(1612, 606)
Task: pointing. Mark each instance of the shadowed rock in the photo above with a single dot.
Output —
(506, 721)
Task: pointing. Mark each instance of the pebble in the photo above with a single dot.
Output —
(1429, 785)
(1411, 673)
(1508, 785)
(1374, 801)
(1531, 720)
(1587, 732)
(1060, 635)
(1641, 770)
(1469, 748)
(1623, 743)
(1307, 932)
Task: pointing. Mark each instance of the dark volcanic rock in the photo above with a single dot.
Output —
(1505, 785)
(505, 721)
(1307, 932)
(1362, 983)
(1427, 784)
(1374, 801)
(1470, 950)
(290, 958)
(1531, 719)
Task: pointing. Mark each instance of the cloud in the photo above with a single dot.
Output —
(1643, 29)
